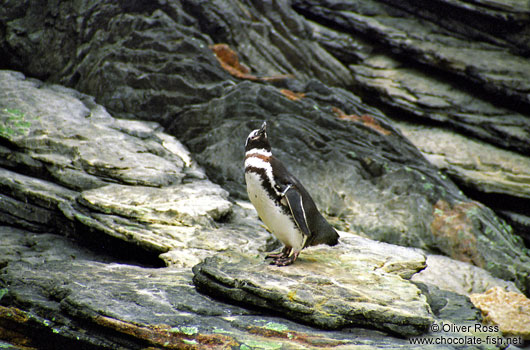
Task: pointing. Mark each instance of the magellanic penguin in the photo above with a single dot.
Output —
(282, 202)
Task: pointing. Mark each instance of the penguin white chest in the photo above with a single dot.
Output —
(278, 222)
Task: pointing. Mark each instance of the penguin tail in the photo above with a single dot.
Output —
(325, 234)
(332, 238)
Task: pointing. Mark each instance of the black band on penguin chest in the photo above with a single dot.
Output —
(266, 184)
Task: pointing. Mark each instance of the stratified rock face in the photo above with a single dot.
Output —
(209, 72)
(196, 203)
(91, 176)
(457, 65)
(53, 289)
(358, 283)
(160, 62)
(369, 180)
(501, 176)
(124, 195)
(477, 164)
(450, 36)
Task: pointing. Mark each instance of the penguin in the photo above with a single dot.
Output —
(282, 203)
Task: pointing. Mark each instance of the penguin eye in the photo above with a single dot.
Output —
(251, 136)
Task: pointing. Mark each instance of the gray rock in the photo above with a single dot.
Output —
(449, 308)
(205, 106)
(476, 164)
(498, 21)
(376, 173)
(81, 299)
(353, 284)
(500, 176)
(56, 128)
(66, 163)
(78, 152)
(75, 286)
(157, 57)
(469, 279)
(72, 290)
(426, 98)
(197, 203)
(400, 27)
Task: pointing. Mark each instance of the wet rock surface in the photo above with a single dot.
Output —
(164, 185)
(416, 201)
(359, 283)
(121, 296)
(144, 189)
(54, 289)
(442, 64)
(433, 36)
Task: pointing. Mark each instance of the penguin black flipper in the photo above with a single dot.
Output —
(296, 205)
(317, 229)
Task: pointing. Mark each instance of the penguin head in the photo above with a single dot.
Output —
(257, 139)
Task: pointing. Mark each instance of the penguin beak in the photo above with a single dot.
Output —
(263, 129)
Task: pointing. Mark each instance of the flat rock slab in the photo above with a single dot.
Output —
(469, 279)
(327, 287)
(196, 203)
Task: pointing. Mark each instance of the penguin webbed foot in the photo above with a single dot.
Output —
(281, 255)
(285, 261)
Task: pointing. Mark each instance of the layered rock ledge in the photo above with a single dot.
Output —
(358, 283)
(106, 217)
(151, 203)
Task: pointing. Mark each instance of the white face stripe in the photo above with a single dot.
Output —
(260, 151)
(251, 135)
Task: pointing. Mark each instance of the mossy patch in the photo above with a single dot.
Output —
(428, 186)
(221, 331)
(274, 326)
(3, 292)
(14, 123)
(189, 330)
(185, 330)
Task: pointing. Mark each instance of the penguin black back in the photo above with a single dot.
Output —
(321, 231)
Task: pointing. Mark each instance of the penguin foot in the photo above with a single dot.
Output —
(285, 261)
(282, 255)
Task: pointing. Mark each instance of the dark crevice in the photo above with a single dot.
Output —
(115, 249)
(79, 334)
